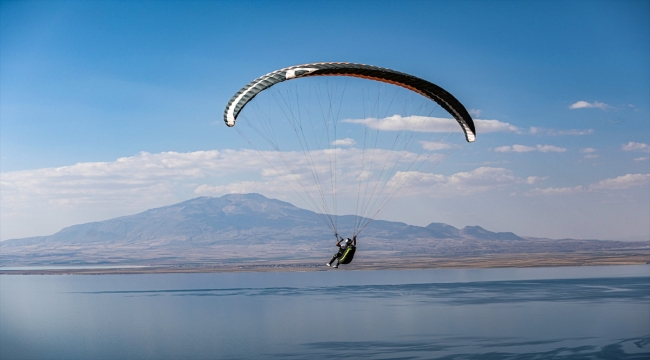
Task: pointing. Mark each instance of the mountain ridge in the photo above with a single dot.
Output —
(245, 228)
(233, 216)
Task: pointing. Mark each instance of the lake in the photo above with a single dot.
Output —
(599, 312)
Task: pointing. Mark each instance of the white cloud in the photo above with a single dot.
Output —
(584, 104)
(442, 125)
(434, 146)
(126, 180)
(571, 132)
(643, 158)
(344, 142)
(505, 148)
(483, 176)
(275, 186)
(553, 132)
(430, 124)
(515, 148)
(549, 148)
(488, 126)
(413, 123)
(617, 183)
(478, 180)
(635, 146)
(475, 112)
(535, 179)
(622, 182)
(556, 191)
(589, 153)
(522, 148)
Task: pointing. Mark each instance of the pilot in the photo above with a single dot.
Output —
(342, 244)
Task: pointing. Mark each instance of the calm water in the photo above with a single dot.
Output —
(545, 313)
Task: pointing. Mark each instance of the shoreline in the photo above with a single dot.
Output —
(392, 263)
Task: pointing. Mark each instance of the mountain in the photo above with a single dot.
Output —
(203, 220)
(240, 218)
(239, 227)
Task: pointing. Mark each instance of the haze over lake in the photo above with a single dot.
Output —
(541, 313)
(240, 228)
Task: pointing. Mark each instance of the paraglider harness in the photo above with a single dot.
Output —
(346, 255)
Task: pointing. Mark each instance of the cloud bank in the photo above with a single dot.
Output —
(147, 180)
(618, 183)
(42, 201)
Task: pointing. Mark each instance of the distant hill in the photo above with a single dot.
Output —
(238, 219)
(248, 218)
(240, 227)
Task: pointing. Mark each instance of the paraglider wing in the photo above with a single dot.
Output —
(421, 86)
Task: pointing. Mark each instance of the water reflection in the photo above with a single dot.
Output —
(488, 292)
(493, 348)
(575, 313)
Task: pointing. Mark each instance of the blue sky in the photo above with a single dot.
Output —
(110, 108)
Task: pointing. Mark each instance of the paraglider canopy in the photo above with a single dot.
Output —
(342, 141)
(421, 86)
